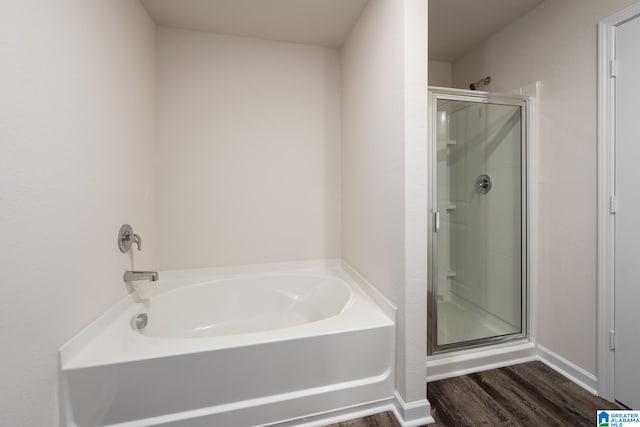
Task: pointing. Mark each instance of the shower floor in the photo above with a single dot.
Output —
(460, 321)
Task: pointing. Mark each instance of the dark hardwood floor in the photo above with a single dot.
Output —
(385, 419)
(530, 394)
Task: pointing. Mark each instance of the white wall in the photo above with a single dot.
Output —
(381, 116)
(556, 44)
(373, 148)
(416, 186)
(439, 73)
(248, 150)
(76, 131)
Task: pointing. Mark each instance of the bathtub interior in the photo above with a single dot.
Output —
(244, 305)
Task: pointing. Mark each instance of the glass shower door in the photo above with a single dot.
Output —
(478, 283)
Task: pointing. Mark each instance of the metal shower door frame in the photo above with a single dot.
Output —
(435, 94)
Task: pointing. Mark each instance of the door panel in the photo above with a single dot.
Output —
(627, 219)
(479, 200)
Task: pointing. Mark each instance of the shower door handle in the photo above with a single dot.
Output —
(436, 221)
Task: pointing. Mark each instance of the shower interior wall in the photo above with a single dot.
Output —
(483, 231)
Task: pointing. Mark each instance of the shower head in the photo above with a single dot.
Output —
(482, 82)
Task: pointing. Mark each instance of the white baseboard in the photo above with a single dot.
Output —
(412, 414)
(478, 360)
(568, 369)
(464, 363)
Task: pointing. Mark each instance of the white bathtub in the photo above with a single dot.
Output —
(232, 347)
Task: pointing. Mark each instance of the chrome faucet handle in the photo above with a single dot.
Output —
(126, 237)
(137, 240)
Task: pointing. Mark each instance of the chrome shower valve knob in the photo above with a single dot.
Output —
(483, 184)
(126, 237)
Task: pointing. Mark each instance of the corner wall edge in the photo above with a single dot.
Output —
(413, 414)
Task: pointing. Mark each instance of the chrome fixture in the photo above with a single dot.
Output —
(482, 82)
(483, 184)
(130, 276)
(126, 237)
(141, 320)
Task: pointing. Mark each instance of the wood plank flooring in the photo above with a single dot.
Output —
(385, 419)
(529, 394)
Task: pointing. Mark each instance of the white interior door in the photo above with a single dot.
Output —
(627, 218)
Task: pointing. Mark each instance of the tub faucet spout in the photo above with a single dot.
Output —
(130, 276)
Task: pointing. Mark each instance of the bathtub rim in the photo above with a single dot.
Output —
(362, 289)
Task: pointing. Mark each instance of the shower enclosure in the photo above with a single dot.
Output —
(478, 261)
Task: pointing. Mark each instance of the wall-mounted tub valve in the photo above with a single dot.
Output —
(126, 237)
